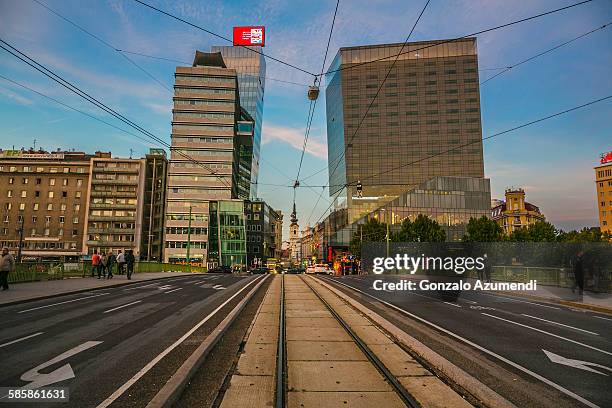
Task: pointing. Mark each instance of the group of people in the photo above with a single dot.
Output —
(103, 264)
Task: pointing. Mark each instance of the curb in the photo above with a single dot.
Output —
(114, 285)
(476, 388)
(554, 301)
(171, 391)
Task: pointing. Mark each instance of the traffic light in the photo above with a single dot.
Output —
(359, 189)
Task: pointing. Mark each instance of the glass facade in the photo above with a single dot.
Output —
(227, 240)
(429, 104)
(251, 70)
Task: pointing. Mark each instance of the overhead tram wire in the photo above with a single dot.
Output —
(189, 63)
(508, 68)
(524, 125)
(65, 105)
(462, 37)
(343, 154)
(107, 44)
(450, 41)
(66, 84)
(222, 37)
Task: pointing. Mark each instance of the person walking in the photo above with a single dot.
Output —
(120, 263)
(579, 273)
(7, 264)
(95, 263)
(103, 265)
(129, 260)
(111, 263)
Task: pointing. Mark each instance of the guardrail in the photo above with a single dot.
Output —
(32, 272)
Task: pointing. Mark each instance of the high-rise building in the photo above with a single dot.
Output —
(250, 67)
(428, 105)
(154, 209)
(603, 180)
(42, 203)
(209, 131)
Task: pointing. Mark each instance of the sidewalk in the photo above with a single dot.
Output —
(21, 292)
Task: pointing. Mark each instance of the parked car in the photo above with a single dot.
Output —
(220, 269)
(259, 271)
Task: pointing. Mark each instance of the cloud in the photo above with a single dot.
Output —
(295, 138)
(22, 100)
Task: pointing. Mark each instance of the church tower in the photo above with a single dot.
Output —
(294, 237)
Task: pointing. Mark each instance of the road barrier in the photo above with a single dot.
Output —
(43, 271)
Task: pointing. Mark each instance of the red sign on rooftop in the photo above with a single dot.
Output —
(606, 158)
(251, 35)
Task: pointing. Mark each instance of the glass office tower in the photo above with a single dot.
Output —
(428, 107)
(251, 69)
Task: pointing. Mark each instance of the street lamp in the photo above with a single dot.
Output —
(20, 240)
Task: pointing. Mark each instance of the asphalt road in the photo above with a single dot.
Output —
(568, 350)
(102, 343)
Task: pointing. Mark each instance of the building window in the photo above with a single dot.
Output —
(78, 194)
(63, 207)
(62, 219)
(34, 219)
(9, 193)
(11, 180)
(75, 220)
(51, 194)
(79, 182)
(25, 180)
(35, 206)
(21, 206)
(24, 194)
(8, 206)
(37, 193)
(64, 194)
(49, 207)
(65, 182)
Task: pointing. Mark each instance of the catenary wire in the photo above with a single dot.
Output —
(222, 37)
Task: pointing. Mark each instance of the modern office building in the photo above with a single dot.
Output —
(603, 181)
(42, 203)
(515, 212)
(425, 121)
(203, 153)
(250, 67)
(450, 201)
(114, 208)
(227, 234)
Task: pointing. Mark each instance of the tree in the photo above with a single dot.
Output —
(586, 234)
(483, 229)
(372, 231)
(540, 231)
(422, 229)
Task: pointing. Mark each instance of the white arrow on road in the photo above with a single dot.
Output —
(582, 365)
(65, 372)
(218, 287)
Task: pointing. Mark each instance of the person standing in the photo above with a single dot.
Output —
(579, 273)
(129, 260)
(95, 263)
(103, 265)
(7, 264)
(111, 263)
(120, 263)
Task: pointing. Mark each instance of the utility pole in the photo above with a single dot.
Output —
(189, 237)
(388, 240)
(20, 240)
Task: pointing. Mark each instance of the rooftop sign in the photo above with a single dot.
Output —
(606, 158)
(250, 35)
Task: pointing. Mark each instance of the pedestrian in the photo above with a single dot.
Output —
(7, 264)
(95, 263)
(103, 264)
(120, 262)
(129, 260)
(111, 263)
(579, 273)
(487, 269)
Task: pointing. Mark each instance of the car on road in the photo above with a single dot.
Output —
(259, 271)
(220, 269)
(319, 269)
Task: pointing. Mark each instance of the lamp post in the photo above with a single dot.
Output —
(20, 240)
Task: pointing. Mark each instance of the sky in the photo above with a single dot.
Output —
(553, 161)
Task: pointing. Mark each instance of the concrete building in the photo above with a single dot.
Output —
(603, 182)
(204, 128)
(428, 107)
(43, 199)
(307, 245)
(114, 206)
(154, 209)
(515, 212)
(263, 242)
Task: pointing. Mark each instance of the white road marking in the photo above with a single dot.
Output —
(561, 324)
(164, 353)
(122, 306)
(479, 347)
(62, 303)
(20, 339)
(582, 365)
(550, 334)
(143, 286)
(218, 287)
(37, 380)
(604, 318)
(522, 301)
(165, 287)
(452, 304)
(173, 290)
(470, 301)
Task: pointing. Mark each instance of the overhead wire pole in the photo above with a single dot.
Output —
(222, 37)
(66, 84)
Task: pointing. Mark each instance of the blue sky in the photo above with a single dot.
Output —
(553, 161)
